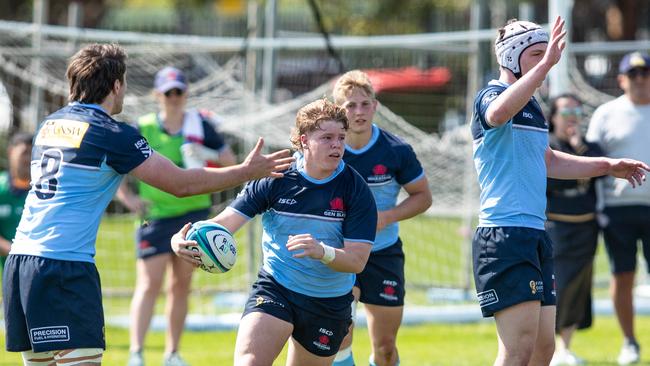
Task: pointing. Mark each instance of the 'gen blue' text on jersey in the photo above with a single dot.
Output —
(333, 210)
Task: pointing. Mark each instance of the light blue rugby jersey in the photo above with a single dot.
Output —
(334, 209)
(386, 163)
(78, 160)
(510, 163)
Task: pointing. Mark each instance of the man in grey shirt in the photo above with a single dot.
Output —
(622, 128)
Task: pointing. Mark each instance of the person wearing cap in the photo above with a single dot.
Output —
(622, 128)
(512, 254)
(189, 138)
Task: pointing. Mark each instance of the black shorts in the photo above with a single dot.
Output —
(319, 324)
(51, 305)
(155, 238)
(574, 248)
(382, 281)
(624, 227)
(512, 265)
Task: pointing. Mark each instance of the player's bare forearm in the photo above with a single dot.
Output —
(418, 200)
(515, 97)
(161, 173)
(561, 165)
(352, 258)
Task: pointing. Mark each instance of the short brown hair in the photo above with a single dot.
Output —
(93, 70)
(355, 79)
(309, 118)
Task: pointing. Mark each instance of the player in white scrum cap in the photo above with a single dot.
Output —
(512, 254)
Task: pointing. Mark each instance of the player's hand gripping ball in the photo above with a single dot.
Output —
(216, 246)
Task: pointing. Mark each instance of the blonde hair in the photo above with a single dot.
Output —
(309, 118)
(355, 79)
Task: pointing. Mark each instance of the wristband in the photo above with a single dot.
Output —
(328, 253)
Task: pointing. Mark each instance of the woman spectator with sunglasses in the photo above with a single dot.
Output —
(571, 214)
(188, 138)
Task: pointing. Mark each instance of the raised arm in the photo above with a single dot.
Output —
(561, 165)
(161, 173)
(515, 97)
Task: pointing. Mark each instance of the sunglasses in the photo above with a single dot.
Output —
(175, 92)
(638, 71)
(570, 112)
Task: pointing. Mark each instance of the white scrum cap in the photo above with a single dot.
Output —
(518, 36)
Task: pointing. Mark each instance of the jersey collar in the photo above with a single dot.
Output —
(373, 139)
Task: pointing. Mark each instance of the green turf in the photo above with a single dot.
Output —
(458, 344)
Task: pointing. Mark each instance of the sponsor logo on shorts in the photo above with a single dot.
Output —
(536, 286)
(259, 301)
(488, 297)
(59, 333)
(287, 201)
(388, 292)
(323, 341)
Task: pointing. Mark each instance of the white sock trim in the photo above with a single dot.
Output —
(343, 354)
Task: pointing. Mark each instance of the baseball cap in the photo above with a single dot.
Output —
(633, 60)
(170, 78)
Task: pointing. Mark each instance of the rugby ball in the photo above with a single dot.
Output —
(215, 246)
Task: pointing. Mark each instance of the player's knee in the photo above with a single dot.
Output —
(545, 349)
(385, 348)
(79, 357)
(31, 358)
(249, 359)
(518, 355)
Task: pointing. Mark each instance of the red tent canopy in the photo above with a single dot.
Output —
(408, 79)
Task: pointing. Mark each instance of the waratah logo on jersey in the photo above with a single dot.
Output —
(337, 208)
(379, 174)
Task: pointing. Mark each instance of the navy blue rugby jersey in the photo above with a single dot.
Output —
(79, 157)
(386, 163)
(332, 210)
(510, 162)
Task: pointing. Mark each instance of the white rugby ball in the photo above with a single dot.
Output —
(215, 246)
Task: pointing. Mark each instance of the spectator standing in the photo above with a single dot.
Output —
(622, 128)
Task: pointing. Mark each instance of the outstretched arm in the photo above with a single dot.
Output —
(161, 173)
(561, 165)
(515, 97)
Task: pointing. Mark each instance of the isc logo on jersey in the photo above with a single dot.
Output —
(216, 246)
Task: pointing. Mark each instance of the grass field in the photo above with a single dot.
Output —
(435, 257)
(448, 345)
